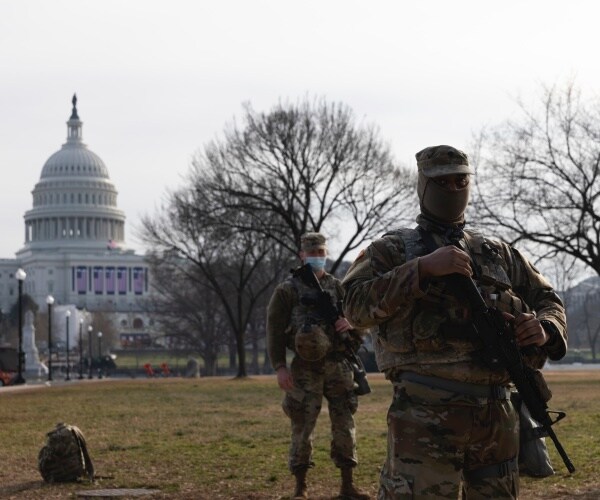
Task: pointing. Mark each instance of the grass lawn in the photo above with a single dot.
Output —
(219, 438)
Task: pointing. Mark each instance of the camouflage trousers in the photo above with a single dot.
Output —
(313, 380)
(436, 438)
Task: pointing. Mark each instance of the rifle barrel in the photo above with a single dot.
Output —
(560, 449)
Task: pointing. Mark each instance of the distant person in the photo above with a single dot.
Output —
(319, 368)
(451, 421)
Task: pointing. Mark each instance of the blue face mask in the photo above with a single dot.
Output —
(317, 263)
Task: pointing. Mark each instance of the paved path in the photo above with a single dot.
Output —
(38, 383)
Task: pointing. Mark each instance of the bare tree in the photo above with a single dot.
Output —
(257, 328)
(582, 303)
(538, 178)
(237, 267)
(103, 321)
(305, 167)
(249, 197)
(188, 311)
(592, 319)
(564, 271)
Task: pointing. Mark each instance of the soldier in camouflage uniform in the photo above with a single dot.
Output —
(451, 422)
(319, 368)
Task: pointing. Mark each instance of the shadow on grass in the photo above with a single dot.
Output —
(19, 488)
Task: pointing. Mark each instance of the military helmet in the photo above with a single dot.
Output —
(436, 161)
(312, 241)
(312, 343)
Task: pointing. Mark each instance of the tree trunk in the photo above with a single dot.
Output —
(254, 365)
(210, 365)
(232, 355)
(241, 373)
(267, 368)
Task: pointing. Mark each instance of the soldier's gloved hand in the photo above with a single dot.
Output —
(342, 325)
(528, 329)
(284, 379)
(443, 261)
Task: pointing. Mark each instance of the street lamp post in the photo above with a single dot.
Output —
(1, 325)
(49, 301)
(80, 349)
(99, 354)
(20, 275)
(68, 377)
(90, 328)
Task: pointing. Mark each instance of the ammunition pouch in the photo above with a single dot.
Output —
(312, 343)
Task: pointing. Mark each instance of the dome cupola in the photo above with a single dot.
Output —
(74, 158)
(74, 202)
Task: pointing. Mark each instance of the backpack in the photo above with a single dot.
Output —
(65, 457)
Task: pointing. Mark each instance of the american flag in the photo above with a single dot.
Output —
(98, 280)
(138, 280)
(109, 279)
(111, 245)
(81, 279)
(122, 280)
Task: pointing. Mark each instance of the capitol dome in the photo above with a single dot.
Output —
(74, 159)
(74, 202)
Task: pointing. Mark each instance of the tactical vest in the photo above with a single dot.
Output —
(305, 314)
(437, 327)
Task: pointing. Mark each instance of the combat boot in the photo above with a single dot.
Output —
(348, 490)
(301, 488)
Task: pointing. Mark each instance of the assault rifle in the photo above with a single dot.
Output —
(500, 351)
(330, 312)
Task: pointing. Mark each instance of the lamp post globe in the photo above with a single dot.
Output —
(67, 316)
(20, 275)
(80, 349)
(50, 302)
(90, 328)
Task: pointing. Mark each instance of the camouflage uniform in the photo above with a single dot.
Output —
(331, 376)
(451, 419)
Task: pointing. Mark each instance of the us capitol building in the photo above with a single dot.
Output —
(74, 245)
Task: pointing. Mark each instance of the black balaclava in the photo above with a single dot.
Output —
(440, 203)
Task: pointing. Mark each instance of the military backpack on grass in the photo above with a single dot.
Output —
(65, 457)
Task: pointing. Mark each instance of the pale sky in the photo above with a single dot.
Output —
(158, 79)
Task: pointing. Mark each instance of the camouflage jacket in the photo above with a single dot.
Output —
(422, 326)
(286, 315)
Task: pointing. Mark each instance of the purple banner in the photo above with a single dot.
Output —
(81, 279)
(98, 281)
(109, 280)
(138, 280)
(122, 280)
